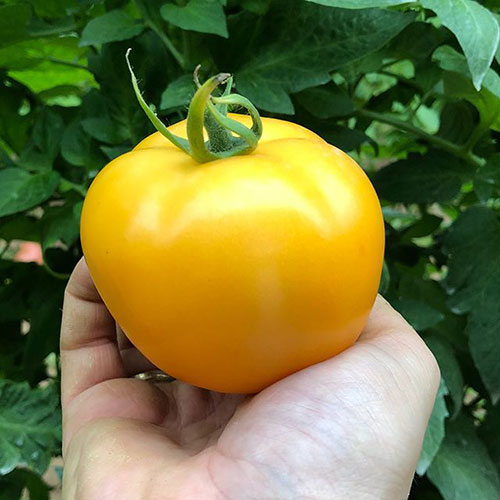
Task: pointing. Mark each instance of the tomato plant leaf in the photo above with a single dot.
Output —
(450, 369)
(457, 121)
(29, 425)
(436, 176)
(487, 179)
(13, 484)
(473, 245)
(45, 323)
(488, 431)
(113, 26)
(14, 20)
(298, 44)
(13, 127)
(256, 6)
(360, 4)
(434, 434)
(326, 101)
(178, 93)
(419, 314)
(61, 224)
(475, 28)
(451, 60)
(205, 16)
(53, 8)
(345, 138)
(20, 190)
(462, 468)
(19, 227)
(78, 148)
(42, 65)
(45, 142)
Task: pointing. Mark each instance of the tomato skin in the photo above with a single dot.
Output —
(233, 274)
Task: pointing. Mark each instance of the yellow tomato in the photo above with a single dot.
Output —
(235, 273)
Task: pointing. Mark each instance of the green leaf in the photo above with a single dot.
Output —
(487, 179)
(205, 16)
(61, 224)
(488, 431)
(43, 64)
(473, 246)
(436, 176)
(475, 28)
(20, 227)
(16, 278)
(326, 101)
(178, 94)
(29, 426)
(434, 434)
(417, 42)
(344, 138)
(259, 7)
(299, 42)
(451, 60)
(45, 142)
(115, 103)
(419, 314)
(457, 85)
(12, 485)
(450, 369)
(14, 20)
(78, 149)
(425, 226)
(104, 130)
(462, 469)
(360, 4)
(457, 121)
(45, 322)
(53, 8)
(113, 152)
(20, 190)
(113, 26)
(13, 126)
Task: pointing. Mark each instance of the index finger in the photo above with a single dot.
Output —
(89, 351)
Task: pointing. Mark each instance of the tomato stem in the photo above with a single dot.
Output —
(226, 137)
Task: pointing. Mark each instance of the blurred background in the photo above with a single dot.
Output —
(409, 88)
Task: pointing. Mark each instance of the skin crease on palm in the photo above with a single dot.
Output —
(349, 427)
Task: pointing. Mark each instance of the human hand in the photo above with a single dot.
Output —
(350, 427)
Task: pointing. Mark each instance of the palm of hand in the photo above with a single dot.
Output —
(350, 427)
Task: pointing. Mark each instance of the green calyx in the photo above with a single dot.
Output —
(226, 137)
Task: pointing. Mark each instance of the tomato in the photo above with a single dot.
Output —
(233, 274)
(237, 272)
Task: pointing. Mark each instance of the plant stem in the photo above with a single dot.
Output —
(167, 42)
(435, 140)
(52, 30)
(62, 62)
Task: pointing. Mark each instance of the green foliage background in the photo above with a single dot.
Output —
(410, 88)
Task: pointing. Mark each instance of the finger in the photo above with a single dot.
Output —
(384, 320)
(89, 352)
(123, 398)
(389, 333)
